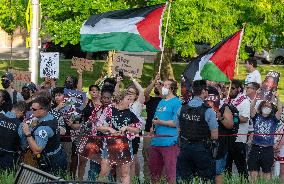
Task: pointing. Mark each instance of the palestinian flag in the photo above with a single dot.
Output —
(133, 30)
(218, 64)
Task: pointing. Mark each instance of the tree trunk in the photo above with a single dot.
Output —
(89, 55)
(166, 68)
(11, 50)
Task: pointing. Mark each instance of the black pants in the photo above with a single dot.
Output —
(195, 160)
(237, 154)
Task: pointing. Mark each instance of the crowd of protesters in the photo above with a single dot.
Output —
(220, 126)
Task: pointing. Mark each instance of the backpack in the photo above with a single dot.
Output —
(236, 118)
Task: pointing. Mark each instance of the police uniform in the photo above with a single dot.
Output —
(9, 140)
(196, 121)
(46, 134)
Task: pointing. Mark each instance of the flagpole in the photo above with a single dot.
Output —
(165, 36)
(241, 36)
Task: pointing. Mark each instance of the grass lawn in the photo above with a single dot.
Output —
(91, 77)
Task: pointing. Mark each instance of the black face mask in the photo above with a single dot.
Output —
(6, 84)
(69, 85)
(26, 95)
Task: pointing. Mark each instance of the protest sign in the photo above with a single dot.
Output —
(269, 85)
(49, 65)
(75, 98)
(82, 64)
(21, 78)
(130, 65)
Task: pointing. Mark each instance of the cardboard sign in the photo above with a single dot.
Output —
(21, 78)
(24, 76)
(49, 65)
(82, 64)
(269, 85)
(128, 64)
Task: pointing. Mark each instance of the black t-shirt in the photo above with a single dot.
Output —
(87, 111)
(121, 118)
(151, 106)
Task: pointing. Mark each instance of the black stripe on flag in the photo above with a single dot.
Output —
(193, 66)
(122, 14)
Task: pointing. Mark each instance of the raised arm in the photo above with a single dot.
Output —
(150, 87)
(141, 96)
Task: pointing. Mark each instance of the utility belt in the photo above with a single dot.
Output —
(44, 159)
(210, 144)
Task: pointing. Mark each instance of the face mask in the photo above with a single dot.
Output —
(266, 110)
(68, 85)
(5, 84)
(26, 95)
(165, 91)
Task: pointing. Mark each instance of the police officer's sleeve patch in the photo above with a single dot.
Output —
(42, 134)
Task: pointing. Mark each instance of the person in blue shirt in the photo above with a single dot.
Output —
(265, 119)
(163, 151)
(43, 137)
(9, 136)
(198, 126)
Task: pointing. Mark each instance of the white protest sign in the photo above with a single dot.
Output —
(128, 64)
(49, 65)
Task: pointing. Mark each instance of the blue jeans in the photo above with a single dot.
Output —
(58, 162)
(195, 160)
(221, 165)
(94, 171)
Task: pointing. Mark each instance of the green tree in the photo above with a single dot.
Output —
(12, 16)
(192, 21)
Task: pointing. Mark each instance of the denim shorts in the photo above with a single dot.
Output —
(221, 165)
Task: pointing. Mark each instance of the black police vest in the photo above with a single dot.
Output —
(53, 142)
(9, 137)
(192, 123)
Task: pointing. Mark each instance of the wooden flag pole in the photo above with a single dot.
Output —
(230, 87)
(165, 36)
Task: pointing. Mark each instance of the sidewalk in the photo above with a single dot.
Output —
(18, 53)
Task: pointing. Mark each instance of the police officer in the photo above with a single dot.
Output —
(43, 137)
(198, 127)
(9, 137)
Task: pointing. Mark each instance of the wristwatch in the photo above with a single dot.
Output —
(29, 135)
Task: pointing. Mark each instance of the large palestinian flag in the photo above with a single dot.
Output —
(133, 30)
(218, 64)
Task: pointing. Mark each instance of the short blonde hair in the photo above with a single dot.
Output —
(119, 96)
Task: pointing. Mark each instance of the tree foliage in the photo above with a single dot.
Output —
(12, 14)
(194, 21)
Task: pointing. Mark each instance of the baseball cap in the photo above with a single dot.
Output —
(9, 76)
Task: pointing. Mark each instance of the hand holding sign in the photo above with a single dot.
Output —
(269, 86)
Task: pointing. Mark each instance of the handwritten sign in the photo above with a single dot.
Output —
(128, 64)
(24, 76)
(82, 64)
(49, 65)
(21, 78)
(269, 85)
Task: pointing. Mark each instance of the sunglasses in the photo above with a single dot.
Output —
(33, 109)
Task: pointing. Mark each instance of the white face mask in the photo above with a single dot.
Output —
(266, 110)
(165, 91)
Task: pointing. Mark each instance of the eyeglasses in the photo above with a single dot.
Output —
(33, 109)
